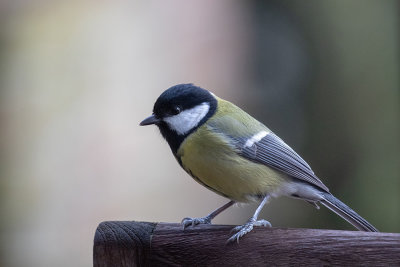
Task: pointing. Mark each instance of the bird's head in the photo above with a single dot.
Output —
(180, 110)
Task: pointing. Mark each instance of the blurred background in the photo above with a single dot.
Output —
(77, 77)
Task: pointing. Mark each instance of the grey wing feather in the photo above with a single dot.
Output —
(274, 152)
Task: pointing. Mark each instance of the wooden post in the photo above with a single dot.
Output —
(129, 243)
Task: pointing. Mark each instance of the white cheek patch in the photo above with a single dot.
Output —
(187, 119)
(255, 138)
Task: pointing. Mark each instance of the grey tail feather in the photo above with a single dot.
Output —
(346, 213)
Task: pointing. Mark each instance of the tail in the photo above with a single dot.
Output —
(346, 213)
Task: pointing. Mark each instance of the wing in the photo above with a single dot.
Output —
(257, 143)
(275, 153)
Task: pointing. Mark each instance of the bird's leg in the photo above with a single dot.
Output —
(206, 220)
(248, 226)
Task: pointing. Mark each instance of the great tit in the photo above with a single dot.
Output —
(231, 153)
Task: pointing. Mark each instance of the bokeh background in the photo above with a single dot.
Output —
(78, 76)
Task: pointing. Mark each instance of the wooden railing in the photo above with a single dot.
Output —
(130, 243)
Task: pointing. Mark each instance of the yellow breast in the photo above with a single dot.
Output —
(215, 163)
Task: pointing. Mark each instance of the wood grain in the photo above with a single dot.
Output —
(166, 244)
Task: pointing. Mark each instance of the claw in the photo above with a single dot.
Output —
(195, 221)
(246, 228)
(264, 223)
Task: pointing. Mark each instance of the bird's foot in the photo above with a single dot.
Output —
(241, 230)
(195, 221)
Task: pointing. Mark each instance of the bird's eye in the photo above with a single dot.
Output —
(176, 110)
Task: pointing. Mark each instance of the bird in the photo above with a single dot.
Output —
(234, 155)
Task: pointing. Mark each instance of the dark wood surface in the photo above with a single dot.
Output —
(129, 243)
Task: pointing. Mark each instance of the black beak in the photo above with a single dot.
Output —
(149, 120)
